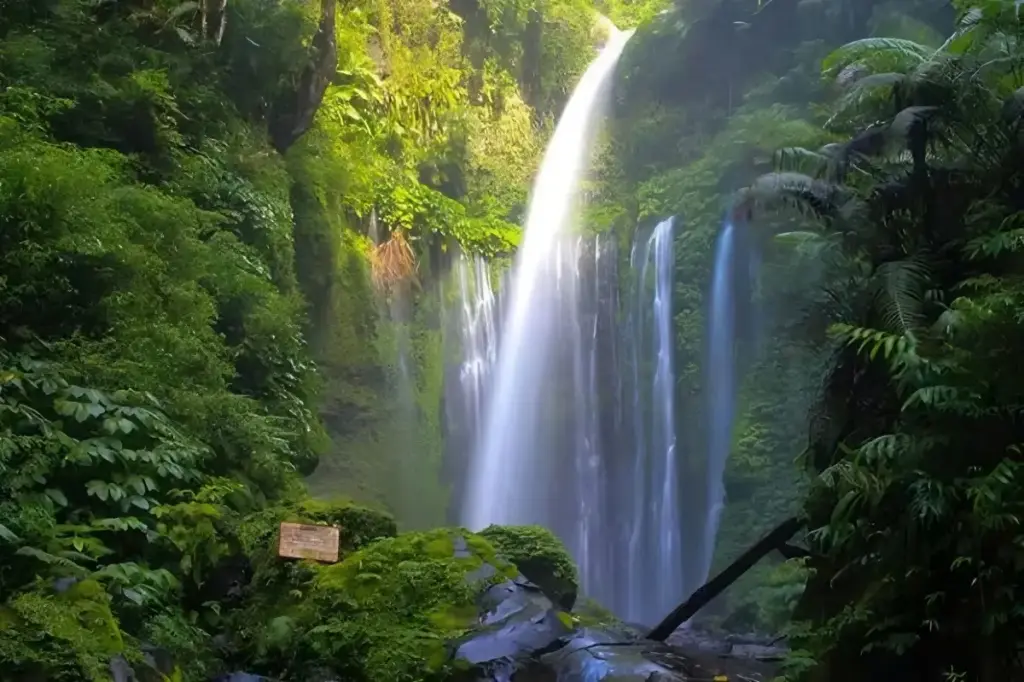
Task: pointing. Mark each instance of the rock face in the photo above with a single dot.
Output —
(524, 637)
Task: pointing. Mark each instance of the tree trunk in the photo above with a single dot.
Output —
(711, 589)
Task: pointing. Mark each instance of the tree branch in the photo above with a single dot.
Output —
(711, 589)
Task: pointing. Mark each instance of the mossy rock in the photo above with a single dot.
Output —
(387, 611)
(541, 557)
(277, 588)
(359, 525)
(71, 635)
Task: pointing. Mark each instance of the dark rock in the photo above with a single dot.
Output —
(62, 585)
(120, 671)
(596, 655)
(461, 548)
(517, 621)
(523, 637)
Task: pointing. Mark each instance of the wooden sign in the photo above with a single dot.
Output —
(299, 541)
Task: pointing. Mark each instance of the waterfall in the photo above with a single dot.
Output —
(472, 338)
(663, 432)
(654, 567)
(505, 475)
(720, 380)
(570, 421)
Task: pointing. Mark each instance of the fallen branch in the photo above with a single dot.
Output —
(712, 588)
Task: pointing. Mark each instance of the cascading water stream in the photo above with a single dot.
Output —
(655, 531)
(471, 334)
(666, 476)
(720, 380)
(479, 335)
(506, 471)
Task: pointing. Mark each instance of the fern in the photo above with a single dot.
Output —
(878, 53)
(873, 86)
(899, 293)
(798, 191)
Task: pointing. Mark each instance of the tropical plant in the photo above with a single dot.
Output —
(915, 531)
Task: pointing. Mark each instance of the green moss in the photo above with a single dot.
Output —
(359, 524)
(590, 613)
(541, 557)
(68, 636)
(387, 611)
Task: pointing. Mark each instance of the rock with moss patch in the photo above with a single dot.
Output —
(57, 636)
(276, 587)
(359, 525)
(541, 557)
(388, 611)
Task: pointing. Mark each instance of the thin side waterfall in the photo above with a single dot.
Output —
(663, 431)
(654, 534)
(505, 475)
(472, 341)
(720, 380)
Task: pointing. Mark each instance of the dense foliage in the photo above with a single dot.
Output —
(222, 225)
(192, 307)
(913, 517)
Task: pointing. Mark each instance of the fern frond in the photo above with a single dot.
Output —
(800, 160)
(796, 190)
(884, 449)
(899, 293)
(995, 244)
(873, 341)
(877, 54)
(875, 87)
(52, 560)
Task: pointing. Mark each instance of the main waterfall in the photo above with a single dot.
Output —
(561, 404)
(504, 474)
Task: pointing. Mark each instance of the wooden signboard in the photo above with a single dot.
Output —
(299, 541)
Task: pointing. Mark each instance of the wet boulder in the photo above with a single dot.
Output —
(517, 622)
(523, 636)
(541, 557)
(611, 655)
